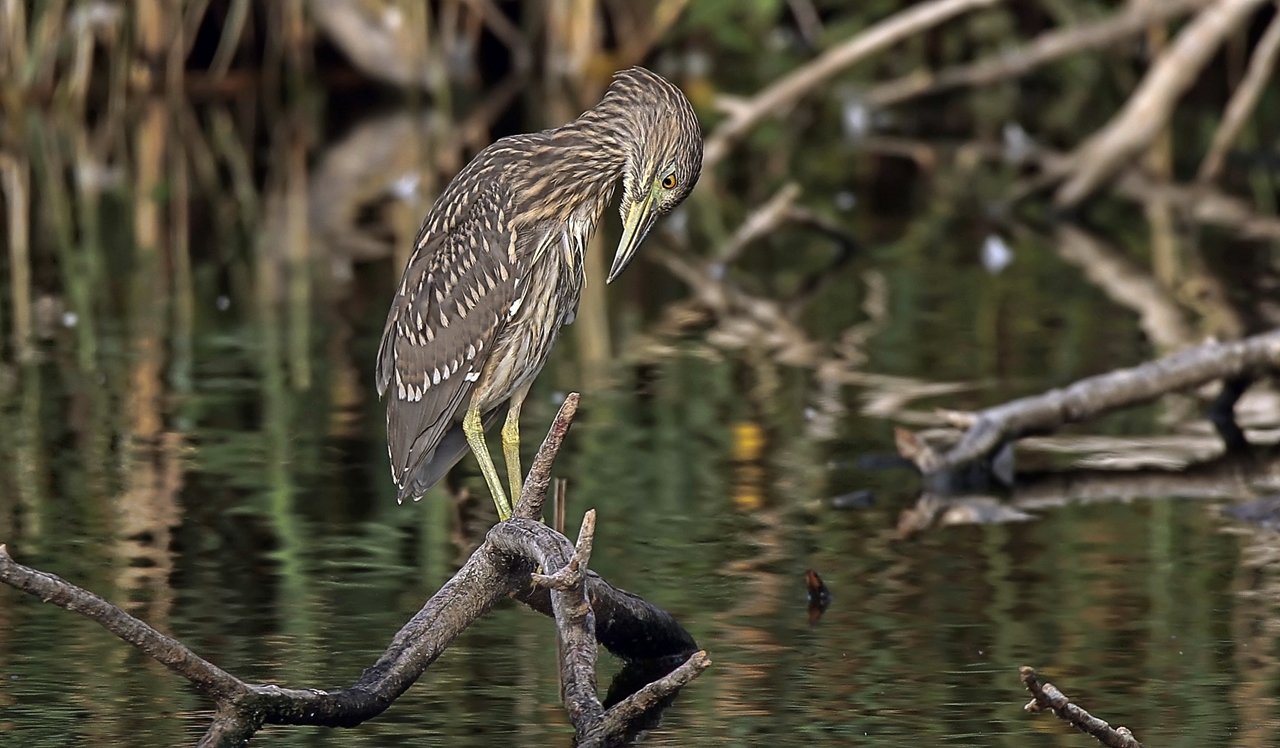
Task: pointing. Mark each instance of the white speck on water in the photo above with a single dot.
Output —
(223, 303)
(558, 397)
(996, 254)
(69, 319)
(846, 200)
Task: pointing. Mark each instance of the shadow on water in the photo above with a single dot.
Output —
(195, 287)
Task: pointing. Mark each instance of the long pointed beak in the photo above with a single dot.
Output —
(636, 223)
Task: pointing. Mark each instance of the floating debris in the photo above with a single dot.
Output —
(819, 595)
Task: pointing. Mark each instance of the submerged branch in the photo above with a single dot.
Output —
(1048, 697)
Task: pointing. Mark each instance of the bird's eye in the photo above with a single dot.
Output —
(669, 182)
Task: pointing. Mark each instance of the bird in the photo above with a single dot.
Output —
(497, 269)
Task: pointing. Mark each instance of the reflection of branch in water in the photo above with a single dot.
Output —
(1230, 477)
(1255, 628)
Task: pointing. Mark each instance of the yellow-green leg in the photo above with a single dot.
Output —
(511, 442)
(473, 427)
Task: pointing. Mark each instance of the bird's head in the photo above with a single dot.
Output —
(664, 155)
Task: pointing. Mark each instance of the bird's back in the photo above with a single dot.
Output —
(444, 319)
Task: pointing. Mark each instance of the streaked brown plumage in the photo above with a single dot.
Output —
(498, 268)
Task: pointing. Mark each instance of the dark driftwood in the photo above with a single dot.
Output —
(988, 430)
(500, 568)
(1048, 697)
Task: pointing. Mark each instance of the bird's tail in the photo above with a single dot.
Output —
(452, 448)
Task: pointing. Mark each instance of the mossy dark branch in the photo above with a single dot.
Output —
(500, 568)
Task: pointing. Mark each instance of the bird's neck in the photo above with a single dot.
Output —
(573, 169)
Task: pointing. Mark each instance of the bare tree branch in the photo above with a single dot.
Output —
(1243, 101)
(1101, 394)
(1047, 47)
(779, 97)
(1149, 108)
(500, 568)
(534, 492)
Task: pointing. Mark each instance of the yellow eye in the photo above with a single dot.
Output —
(669, 182)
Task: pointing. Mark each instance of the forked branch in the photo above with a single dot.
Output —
(502, 567)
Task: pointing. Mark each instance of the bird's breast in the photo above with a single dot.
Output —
(546, 298)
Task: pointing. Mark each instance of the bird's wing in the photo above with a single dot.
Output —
(451, 302)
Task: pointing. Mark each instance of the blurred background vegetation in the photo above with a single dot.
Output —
(207, 204)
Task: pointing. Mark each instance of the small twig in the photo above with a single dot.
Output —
(1147, 111)
(1048, 697)
(1243, 101)
(778, 98)
(561, 499)
(536, 483)
(229, 42)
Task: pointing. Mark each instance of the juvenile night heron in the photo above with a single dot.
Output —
(498, 268)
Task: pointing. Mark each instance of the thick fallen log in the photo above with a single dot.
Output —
(502, 567)
(989, 430)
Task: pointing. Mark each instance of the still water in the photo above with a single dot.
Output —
(287, 559)
(197, 437)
